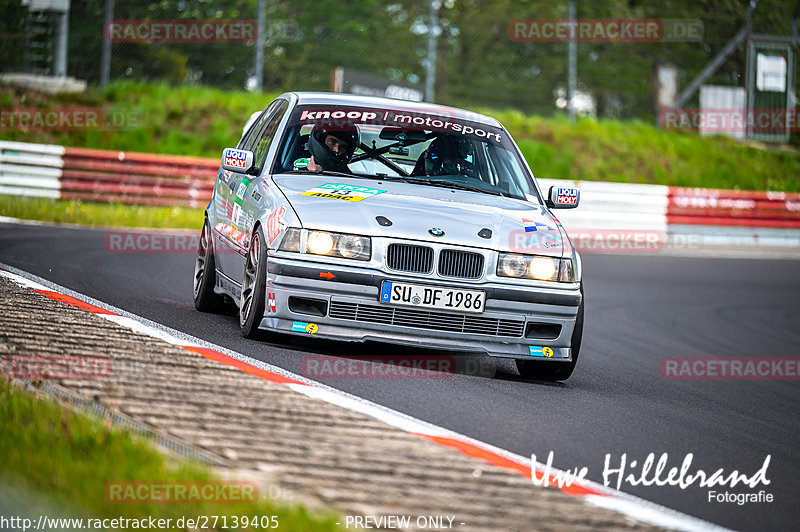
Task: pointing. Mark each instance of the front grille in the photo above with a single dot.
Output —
(426, 319)
(461, 264)
(409, 258)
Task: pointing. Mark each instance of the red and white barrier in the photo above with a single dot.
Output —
(731, 216)
(30, 169)
(703, 206)
(680, 217)
(107, 176)
(141, 178)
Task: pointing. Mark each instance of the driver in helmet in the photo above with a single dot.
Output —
(331, 148)
(446, 155)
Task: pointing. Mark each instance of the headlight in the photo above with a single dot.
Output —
(291, 240)
(544, 268)
(320, 243)
(353, 247)
(511, 266)
(329, 244)
(535, 267)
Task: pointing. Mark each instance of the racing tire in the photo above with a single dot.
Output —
(205, 274)
(252, 300)
(556, 371)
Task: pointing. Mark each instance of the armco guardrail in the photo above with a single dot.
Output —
(150, 179)
(103, 175)
(30, 169)
(141, 178)
(702, 206)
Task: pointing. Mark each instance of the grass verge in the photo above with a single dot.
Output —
(202, 121)
(100, 214)
(149, 118)
(66, 459)
(635, 152)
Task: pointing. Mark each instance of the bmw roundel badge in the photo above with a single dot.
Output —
(435, 231)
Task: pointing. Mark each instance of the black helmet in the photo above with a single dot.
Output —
(323, 156)
(447, 155)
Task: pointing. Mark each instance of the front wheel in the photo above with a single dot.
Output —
(251, 303)
(556, 371)
(205, 274)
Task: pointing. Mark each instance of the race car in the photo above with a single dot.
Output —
(368, 219)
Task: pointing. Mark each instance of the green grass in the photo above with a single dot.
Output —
(635, 152)
(183, 120)
(100, 214)
(64, 460)
(192, 120)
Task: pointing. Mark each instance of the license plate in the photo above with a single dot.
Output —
(414, 295)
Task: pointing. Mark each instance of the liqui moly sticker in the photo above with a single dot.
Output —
(274, 221)
(237, 159)
(271, 305)
(566, 196)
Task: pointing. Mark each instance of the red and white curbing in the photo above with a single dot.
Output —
(589, 491)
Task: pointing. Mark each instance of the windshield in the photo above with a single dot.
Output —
(419, 148)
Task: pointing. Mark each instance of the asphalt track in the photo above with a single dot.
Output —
(639, 309)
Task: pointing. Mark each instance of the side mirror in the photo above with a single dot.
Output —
(563, 197)
(234, 160)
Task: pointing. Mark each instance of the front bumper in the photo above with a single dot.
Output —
(518, 322)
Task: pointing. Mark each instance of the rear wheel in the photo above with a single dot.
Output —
(556, 371)
(205, 274)
(251, 304)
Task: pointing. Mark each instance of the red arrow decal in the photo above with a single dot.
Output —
(327, 275)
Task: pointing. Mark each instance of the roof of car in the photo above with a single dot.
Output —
(334, 98)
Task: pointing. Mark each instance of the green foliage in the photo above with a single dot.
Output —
(100, 214)
(161, 118)
(636, 152)
(67, 458)
(479, 63)
(12, 32)
(201, 121)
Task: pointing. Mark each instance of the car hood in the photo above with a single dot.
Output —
(515, 225)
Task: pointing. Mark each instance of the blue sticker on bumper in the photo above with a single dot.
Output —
(539, 351)
(303, 327)
(386, 291)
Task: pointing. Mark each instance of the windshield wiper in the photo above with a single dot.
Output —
(448, 184)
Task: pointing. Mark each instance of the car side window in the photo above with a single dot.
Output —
(249, 139)
(268, 133)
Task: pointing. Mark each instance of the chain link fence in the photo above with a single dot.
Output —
(498, 55)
